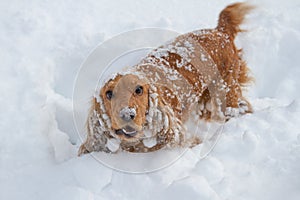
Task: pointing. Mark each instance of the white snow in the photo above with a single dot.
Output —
(150, 142)
(43, 44)
(113, 144)
(127, 112)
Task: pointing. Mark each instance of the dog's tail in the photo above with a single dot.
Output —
(232, 16)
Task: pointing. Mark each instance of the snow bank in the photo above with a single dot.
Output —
(42, 47)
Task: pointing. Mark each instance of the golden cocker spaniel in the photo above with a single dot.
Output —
(145, 108)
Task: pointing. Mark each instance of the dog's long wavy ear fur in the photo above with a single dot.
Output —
(154, 115)
(96, 127)
(161, 119)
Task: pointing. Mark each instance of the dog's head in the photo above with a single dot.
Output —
(125, 99)
(140, 113)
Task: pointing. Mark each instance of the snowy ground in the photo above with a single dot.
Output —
(42, 46)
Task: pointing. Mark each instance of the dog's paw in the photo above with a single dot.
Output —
(243, 108)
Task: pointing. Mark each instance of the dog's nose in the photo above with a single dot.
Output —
(127, 114)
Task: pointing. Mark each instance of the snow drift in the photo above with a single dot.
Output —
(42, 46)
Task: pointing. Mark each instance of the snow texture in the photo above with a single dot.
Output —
(43, 44)
(127, 113)
(113, 144)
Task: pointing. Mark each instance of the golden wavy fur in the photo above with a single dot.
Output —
(145, 108)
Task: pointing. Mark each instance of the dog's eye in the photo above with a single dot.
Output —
(139, 90)
(109, 94)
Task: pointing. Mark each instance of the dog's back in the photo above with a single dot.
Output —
(183, 53)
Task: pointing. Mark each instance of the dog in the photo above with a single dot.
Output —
(200, 73)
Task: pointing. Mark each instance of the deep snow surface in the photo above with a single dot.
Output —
(43, 44)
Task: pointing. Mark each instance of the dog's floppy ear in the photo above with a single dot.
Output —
(161, 118)
(154, 115)
(97, 126)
